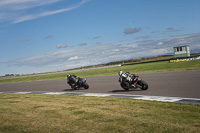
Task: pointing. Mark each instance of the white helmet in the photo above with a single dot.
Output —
(69, 75)
(120, 72)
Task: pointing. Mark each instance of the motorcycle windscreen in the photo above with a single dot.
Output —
(81, 80)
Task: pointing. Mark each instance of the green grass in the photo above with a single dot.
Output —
(137, 68)
(68, 113)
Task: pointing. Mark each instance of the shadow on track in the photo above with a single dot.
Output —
(114, 91)
(73, 89)
(68, 90)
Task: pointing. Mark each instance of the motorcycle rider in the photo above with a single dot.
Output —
(72, 79)
(129, 77)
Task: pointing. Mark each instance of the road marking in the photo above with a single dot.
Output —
(140, 97)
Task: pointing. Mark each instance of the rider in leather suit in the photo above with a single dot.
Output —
(71, 79)
(129, 77)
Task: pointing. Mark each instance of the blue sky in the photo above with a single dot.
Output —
(49, 35)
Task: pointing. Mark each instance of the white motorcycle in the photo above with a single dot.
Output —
(132, 81)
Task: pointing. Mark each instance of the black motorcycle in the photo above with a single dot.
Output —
(129, 83)
(79, 83)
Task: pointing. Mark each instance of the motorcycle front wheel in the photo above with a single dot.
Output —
(143, 84)
(85, 85)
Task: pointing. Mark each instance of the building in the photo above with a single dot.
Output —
(181, 51)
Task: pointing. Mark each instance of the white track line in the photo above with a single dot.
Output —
(141, 97)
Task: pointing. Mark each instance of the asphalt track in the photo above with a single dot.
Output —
(169, 84)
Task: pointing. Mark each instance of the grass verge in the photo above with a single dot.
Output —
(69, 113)
(137, 68)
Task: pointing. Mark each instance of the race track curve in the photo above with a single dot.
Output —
(171, 84)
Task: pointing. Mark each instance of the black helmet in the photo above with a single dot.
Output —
(69, 75)
(127, 72)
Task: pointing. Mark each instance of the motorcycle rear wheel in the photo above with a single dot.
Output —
(74, 88)
(125, 86)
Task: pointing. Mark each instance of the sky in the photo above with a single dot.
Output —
(52, 35)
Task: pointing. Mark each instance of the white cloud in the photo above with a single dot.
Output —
(61, 46)
(48, 37)
(142, 37)
(83, 44)
(115, 50)
(160, 43)
(96, 37)
(170, 29)
(132, 46)
(18, 10)
(24, 4)
(71, 58)
(130, 30)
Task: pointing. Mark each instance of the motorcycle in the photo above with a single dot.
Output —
(127, 82)
(80, 83)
